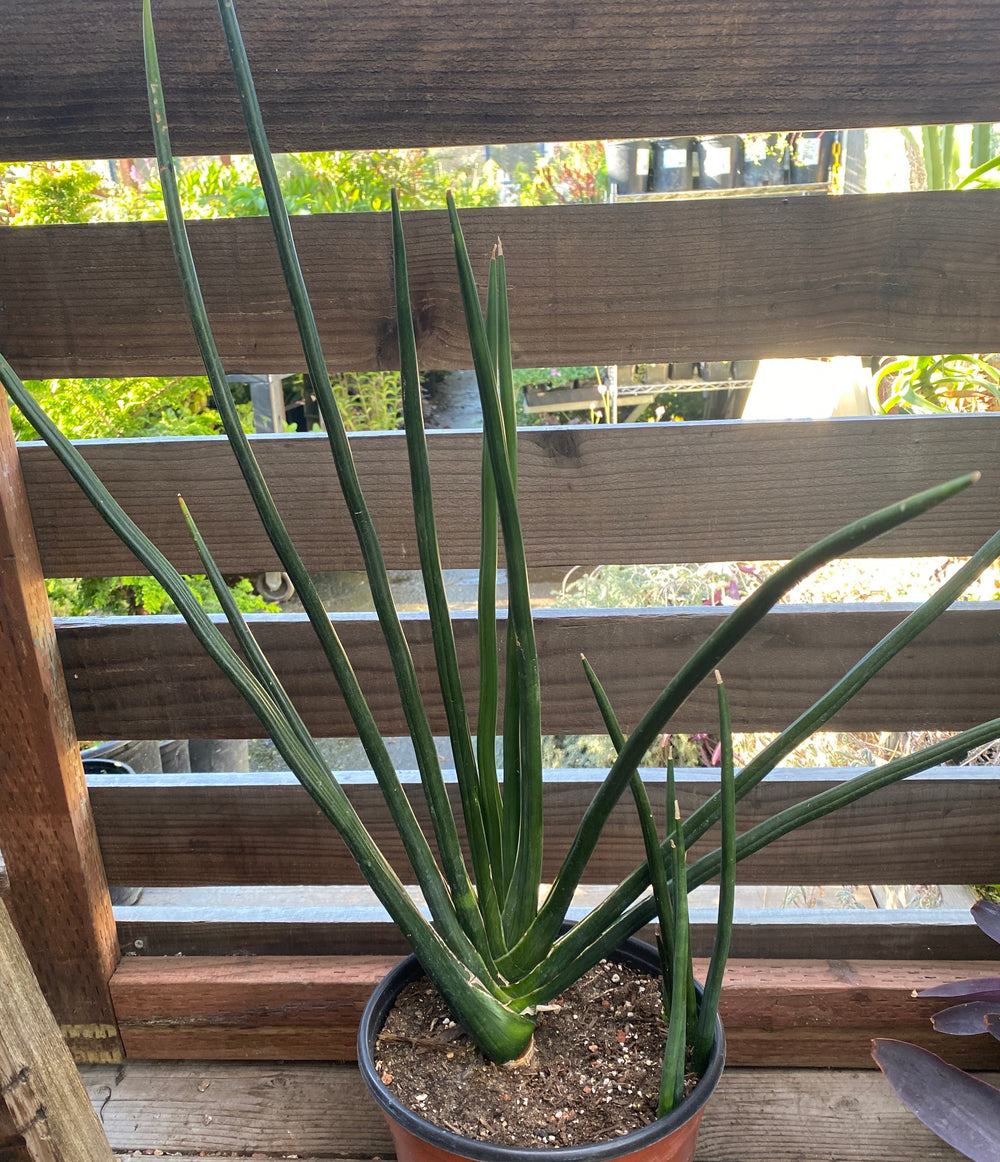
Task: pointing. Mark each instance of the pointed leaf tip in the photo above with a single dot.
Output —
(959, 1108)
(968, 1020)
(986, 914)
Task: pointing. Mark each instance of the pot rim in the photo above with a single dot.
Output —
(635, 953)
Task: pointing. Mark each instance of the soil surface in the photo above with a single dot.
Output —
(594, 1077)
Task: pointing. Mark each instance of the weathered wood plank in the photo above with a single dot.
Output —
(147, 677)
(58, 894)
(152, 930)
(793, 1115)
(448, 74)
(648, 493)
(272, 1109)
(756, 1115)
(245, 1007)
(779, 1013)
(263, 829)
(12, 1145)
(736, 279)
(39, 1082)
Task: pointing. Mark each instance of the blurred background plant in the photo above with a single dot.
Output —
(956, 157)
(337, 181)
(951, 158)
(369, 401)
(123, 596)
(575, 171)
(937, 384)
(89, 409)
(45, 193)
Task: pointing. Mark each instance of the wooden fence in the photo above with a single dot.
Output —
(716, 280)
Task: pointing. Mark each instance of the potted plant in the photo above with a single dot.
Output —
(497, 956)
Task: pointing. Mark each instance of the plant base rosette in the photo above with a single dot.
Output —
(668, 1139)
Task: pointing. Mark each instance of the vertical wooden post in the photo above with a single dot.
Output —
(59, 897)
(12, 1147)
(40, 1085)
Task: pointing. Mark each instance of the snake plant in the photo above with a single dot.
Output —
(494, 951)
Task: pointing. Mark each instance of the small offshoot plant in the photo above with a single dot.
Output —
(494, 949)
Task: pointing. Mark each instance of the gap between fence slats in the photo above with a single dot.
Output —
(264, 829)
(747, 278)
(447, 73)
(776, 672)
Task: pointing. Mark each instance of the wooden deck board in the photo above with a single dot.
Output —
(319, 1111)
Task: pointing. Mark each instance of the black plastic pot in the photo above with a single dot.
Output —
(812, 156)
(671, 164)
(766, 162)
(669, 1139)
(720, 162)
(628, 165)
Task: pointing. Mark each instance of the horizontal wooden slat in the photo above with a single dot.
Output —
(443, 72)
(819, 933)
(737, 279)
(260, 829)
(315, 1018)
(147, 677)
(652, 493)
(755, 1115)
(779, 1013)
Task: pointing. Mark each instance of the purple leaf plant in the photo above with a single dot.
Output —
(962, 1110)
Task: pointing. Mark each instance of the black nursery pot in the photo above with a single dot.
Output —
(669, 1139)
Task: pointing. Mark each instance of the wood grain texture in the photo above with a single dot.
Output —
(152, 930)
(39, 1082)
(933, 828)
(433, 72)
(793, 1115)
(315, 1110)
(12, 1145)
(273, 1109)
(736, 279)
(779, 1013)
(253, 1008)
(147, 677)
(646, 493)
(58, 894)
